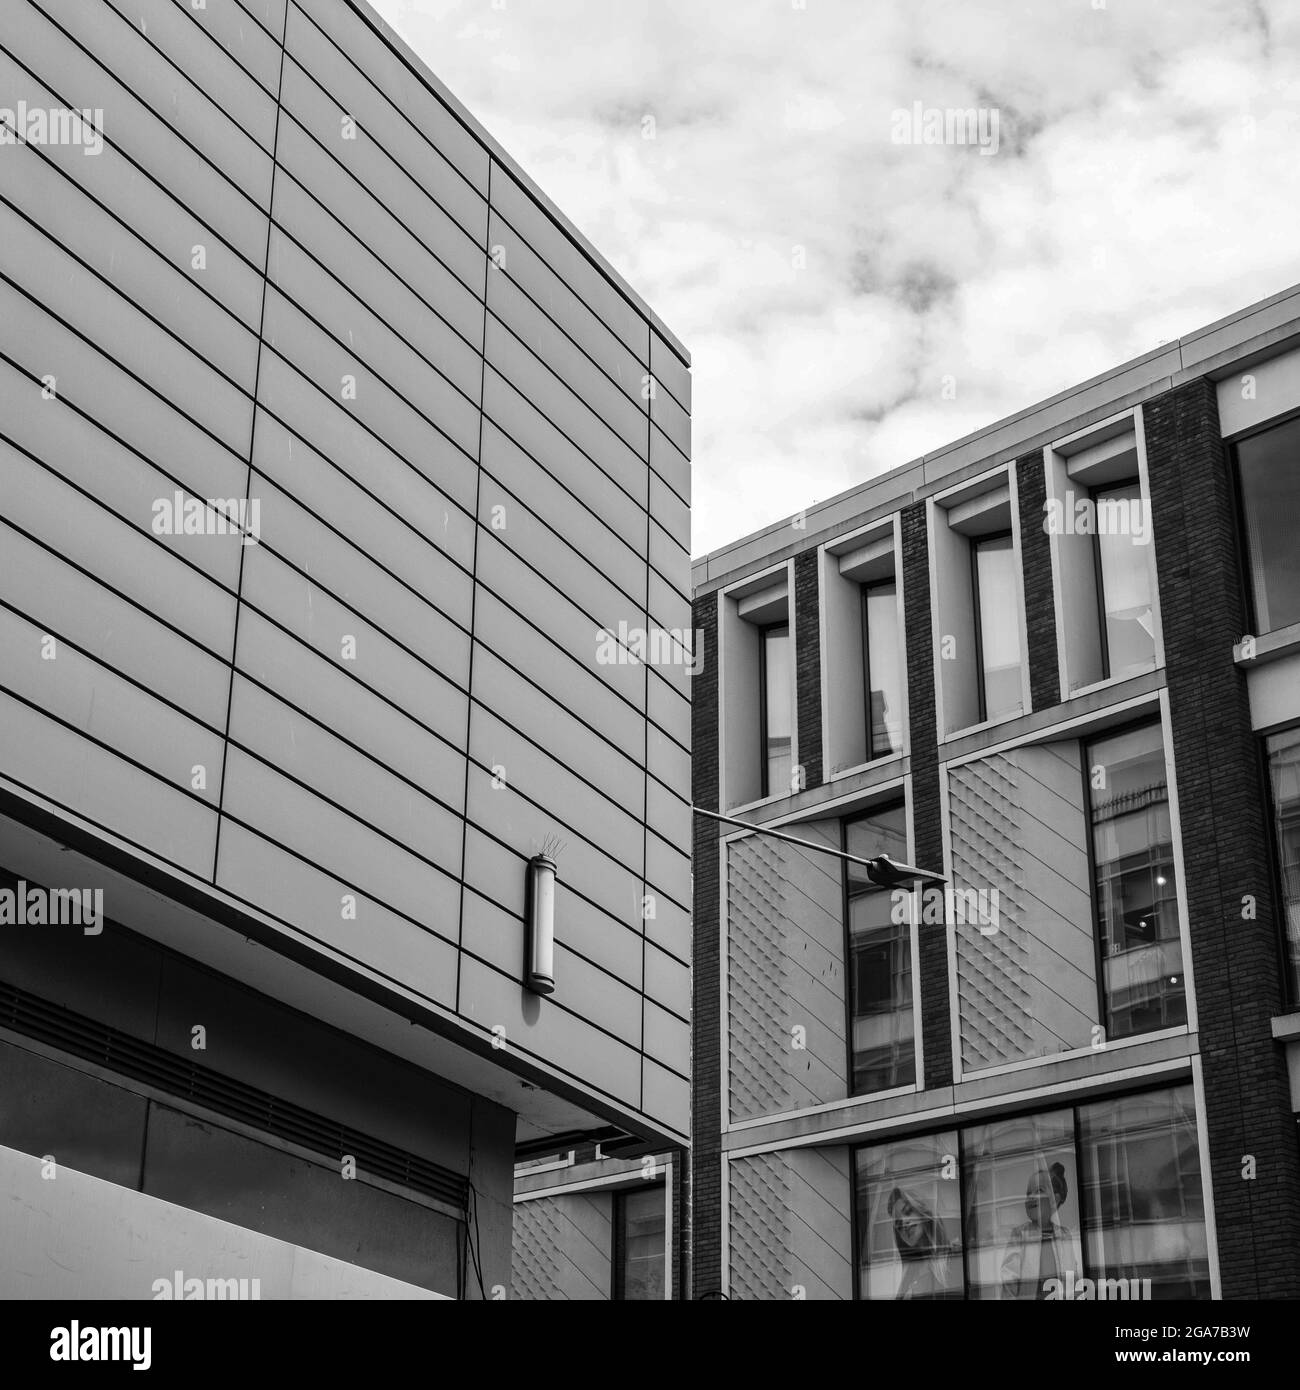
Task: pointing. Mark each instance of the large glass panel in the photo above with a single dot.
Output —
(909, 1219)
(1144, 1214)
(997, 606)
(1123, 549)
(1284, 774)
(884, 670)
(1269, 465)
(1022, 1207)
(881, 1041)
(778, 722)
(641, 1236)
(1136, 905)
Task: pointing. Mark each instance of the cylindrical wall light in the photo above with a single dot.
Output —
(539, 965)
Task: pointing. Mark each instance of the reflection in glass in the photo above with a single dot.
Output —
(880, 960)
(1144, 1211)
(1284, 775)
(777, 712)
(996, 609)
(884, 672)
(640, 1244)
(909, 1219)
(1124, 580)
(1269, 465)
(1137, 909)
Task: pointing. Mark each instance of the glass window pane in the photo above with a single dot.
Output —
(1136, 904)
(909, 1219)
(1284, 775)
(1123, 546)
(882, 1043)
(884, 673)
(1144, 1214)
(778, 724)
(641, 1242)
(1269, 466)
(995, 578)
(1022, 1207)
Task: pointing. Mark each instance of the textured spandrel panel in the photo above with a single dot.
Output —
(785, 964)
(791, 1225)
(563, 1248)
(1026, 963)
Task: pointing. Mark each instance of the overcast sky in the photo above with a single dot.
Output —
(1145, 182)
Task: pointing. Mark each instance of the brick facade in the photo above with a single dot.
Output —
(808, 665)
(1036, 559)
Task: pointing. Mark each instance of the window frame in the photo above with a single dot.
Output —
(864, 593)
(981, 690)
(1290, 987)
(1237, 506)
(618, 1245)
(1099, 569)
(764, 771)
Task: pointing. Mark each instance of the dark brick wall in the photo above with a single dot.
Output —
(1036, 560)
(808, 665)
(1221, 796)
(936, 1030)
(706, 1139)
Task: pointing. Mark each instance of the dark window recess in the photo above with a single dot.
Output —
(640, 1236)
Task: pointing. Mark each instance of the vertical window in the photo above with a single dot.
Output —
(776, 716)
(882, 673)
(1133, 876)
(997, 627)
(640, 1228)
(1284, 776)
(1121, 540)
(882, 1052)
(1269, 471)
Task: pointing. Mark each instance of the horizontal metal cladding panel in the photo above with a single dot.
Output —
(601, 444)
(530, 772)
(438, 153)
(563, 1039)
(420, 544)
(324, 362)
(666, 556)
(670, 463)
(667, 981)
(669, 710)
(99, 388)
(670, 371)
(404, 87)
(500, 874)
(402, 295)
(122, 332)
(446, 391)
(268, 13)
(518, 262)
(623, 413)
(116, 553)
(672, 419)
(498, 628)
(562, 561)
(316, 618)
(260, 798)
(570, 264)
(666, 1096)
(502, 812)
(558, 728)
(564, 514)
(564, 622)
(669, 816)
(669, 661)
(496, 937)
(670, 928)
(71, 606)
(326, 161)
(71, 446)
(671, 613)
(292, 743)
(255, 49)
(225, 78)
(162, 222)
(669, 762)
(260, 873)
(668, 870)
(335, 436)
(101, 704)
(674, 516)
(348, 573)
(78, 80)
(324, 690)
(667, 1039)
(164, 288)
(56, 763)
(531, 431)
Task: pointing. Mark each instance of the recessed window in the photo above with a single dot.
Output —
(640, 1228)
(1268, 467)
(776, 722)
(997, 630)
(882, 674)
(1143, 986)
(1284, 777)
(1121, 540)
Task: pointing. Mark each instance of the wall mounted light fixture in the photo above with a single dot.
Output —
(539, 965)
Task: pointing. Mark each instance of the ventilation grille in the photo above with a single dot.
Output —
(82, 1037)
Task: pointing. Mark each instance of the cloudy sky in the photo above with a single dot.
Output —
(852, 301)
